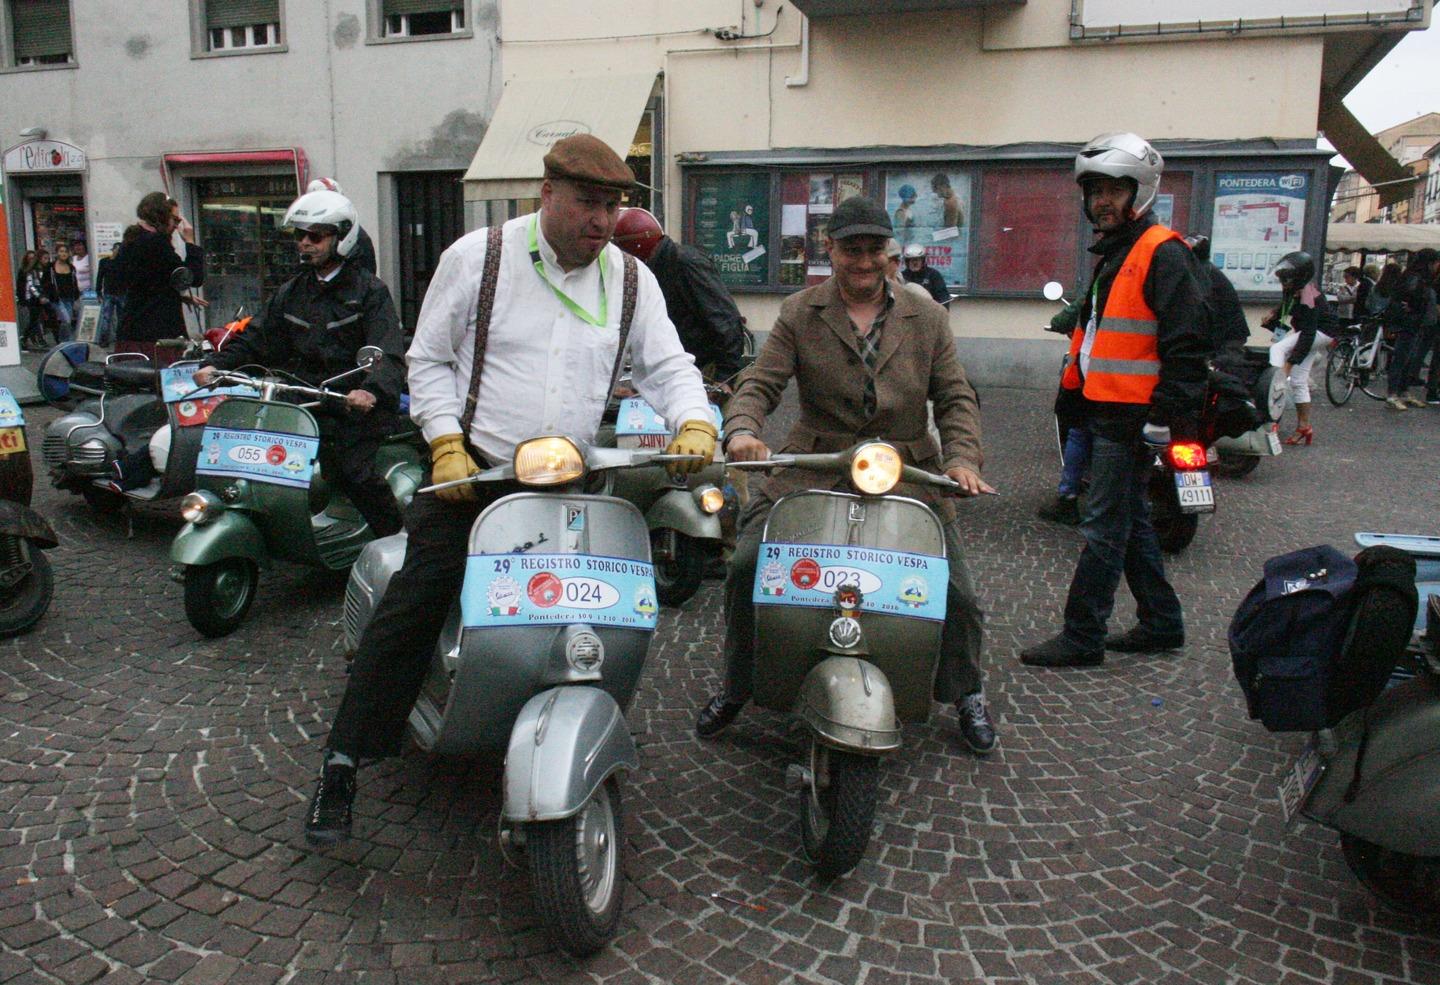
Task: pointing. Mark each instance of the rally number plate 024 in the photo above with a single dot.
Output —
(1194, 491)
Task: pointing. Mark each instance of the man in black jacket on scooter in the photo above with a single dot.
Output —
(313, 327)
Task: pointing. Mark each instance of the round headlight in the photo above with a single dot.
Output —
(200, 508)
(875, 468)
(710, 499)
(549, 461)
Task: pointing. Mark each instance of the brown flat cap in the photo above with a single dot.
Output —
(585, 157)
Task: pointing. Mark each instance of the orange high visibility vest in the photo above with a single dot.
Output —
(1125, 359)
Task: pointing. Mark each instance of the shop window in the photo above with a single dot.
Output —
(247, 256)
(409, 19)
(40, 33)
(1028, 231)
(234, 27)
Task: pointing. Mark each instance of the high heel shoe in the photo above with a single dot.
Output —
(1302, 436)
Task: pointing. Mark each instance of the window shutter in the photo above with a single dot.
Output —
(240, 13)
(42, 27)
(393, 7)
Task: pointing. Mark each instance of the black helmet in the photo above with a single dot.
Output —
(1200, 246)
(1297, 268)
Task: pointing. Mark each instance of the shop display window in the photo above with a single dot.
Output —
(247, 257)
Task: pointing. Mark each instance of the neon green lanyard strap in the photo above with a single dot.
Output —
(565, 299)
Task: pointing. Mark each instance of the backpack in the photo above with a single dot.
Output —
(1318, 637)
(1229, 409)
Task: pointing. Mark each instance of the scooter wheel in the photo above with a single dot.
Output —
(102, 500)
(23, 604)
(576, 875)
(1174, 529)
(217, 596)
(838, 808)
(1404, 883)
(677, 577)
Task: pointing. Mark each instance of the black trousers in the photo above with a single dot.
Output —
(348, 445)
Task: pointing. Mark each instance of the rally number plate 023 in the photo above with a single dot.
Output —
(1194, 491)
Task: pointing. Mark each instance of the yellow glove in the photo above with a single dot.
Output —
(450, 461)
(695, 437)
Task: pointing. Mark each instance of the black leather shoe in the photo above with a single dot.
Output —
(1062, 509)
(1140, 640)
(1057, 652)
(976, 728)
(716, 716)
(329, 819)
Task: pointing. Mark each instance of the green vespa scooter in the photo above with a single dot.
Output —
(262, 497)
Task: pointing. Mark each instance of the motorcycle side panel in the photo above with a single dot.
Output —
(1253, 442)
(369, 578)
(76, 427)
(677, 510)
(790, 640)
(233, 534)
(19, 520)
(1396, 804)
(565, 743)
(848, 703)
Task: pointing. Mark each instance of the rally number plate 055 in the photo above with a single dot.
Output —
(1195, 492)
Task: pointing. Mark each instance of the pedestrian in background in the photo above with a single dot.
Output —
(152, 305)
(1412, 313)
(62, 290)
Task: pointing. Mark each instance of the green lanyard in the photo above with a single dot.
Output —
(565, 299)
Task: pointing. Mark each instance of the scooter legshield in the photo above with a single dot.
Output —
(232, 534)
(677, 510)
(565, 743)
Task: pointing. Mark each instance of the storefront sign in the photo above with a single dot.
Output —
(1259, 217)
(932, 207)
(732, 224)
(546, 134)
(43, 156)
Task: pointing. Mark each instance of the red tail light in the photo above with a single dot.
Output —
(1188, 456)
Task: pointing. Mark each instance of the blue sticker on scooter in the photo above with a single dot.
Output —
(542, 589)
(177, 383)
(897, 583)
(11, 416)
(638, 417)
(272, 457)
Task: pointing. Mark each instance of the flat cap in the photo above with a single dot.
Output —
(859, 216)
(585, 157)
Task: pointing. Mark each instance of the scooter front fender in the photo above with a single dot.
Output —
(1254, 442)
(849, 704)
(678, 511)
(233, 534)
(18, 520)
(566, 742)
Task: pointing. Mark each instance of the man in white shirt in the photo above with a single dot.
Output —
(551, 344)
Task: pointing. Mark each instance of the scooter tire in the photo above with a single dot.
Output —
(1405, 883)
(102, 500)
(1232, 465)
(836, 820)
(1174, 529)
(580, 908)
(678, 579)
(218, 596)
(23, 605)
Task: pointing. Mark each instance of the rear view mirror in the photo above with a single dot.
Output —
(1054, 291)
(181, 279)
(368, 356)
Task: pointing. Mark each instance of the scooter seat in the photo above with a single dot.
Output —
(132, 377)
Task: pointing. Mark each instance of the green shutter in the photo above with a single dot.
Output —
(240, 13)
(42, 27)
(393, 7)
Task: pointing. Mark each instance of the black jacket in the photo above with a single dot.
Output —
(107, 278)
(152, 307)
(314, 328)
(1175, 290)
(930, 279)
(700, 305)
(60, 287)
(362, 254)
(1227, 319)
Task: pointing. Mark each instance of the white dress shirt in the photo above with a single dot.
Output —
(547, 370)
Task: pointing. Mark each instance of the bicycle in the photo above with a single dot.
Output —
(1360, 357)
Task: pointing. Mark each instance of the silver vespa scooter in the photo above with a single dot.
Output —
(849, 608)
(538, 661)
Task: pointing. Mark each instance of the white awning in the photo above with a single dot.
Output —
(1380, 237)
(534, 113)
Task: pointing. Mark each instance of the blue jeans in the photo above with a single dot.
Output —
(109, 320)
(1118, 541)
(65, 326)
(1076, 459)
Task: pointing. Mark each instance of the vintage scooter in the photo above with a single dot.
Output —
(539, 660)
(260, 497)
(26, 582)
(1375, 777)
(849, 607)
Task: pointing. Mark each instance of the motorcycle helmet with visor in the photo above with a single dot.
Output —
(326, 209)
(1294, 270)
(1122, 155)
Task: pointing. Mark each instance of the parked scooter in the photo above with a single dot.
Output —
(539, 660)
(26, 582)
(260, 497)
(849, 607)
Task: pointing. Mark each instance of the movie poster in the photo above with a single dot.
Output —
(732, 224)
(932, 207)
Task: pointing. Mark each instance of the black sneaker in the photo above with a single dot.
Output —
(1138, 639)
(976, 728)
(1062, 509)
(328, 821)
(1058, 652)
(716, 716)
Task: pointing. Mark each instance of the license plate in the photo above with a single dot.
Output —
(1194, 492)
(1272, 437)
(1299, 781)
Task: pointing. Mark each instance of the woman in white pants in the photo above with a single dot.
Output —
(1300, 342)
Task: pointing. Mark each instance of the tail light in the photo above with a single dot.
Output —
(1187, 456)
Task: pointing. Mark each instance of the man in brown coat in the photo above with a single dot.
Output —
(866, 360)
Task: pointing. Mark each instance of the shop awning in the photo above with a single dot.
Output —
(1380, 237)
(1365, 154)
(292, 157)
(534, 113)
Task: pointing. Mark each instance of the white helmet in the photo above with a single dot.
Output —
(915, 251)
(1123, 155)
(326, 208)
(325, 185)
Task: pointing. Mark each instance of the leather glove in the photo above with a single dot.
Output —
(450, 461)
(1064, 323)
(695, 437)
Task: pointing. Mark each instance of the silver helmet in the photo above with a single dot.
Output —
(1123, 155)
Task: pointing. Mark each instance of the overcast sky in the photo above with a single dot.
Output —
(1403, 86)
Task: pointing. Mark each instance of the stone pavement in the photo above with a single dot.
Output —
(152, 785)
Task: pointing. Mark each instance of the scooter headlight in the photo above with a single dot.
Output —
(709, 499)
(200, 508)
(875, 468)
(549, 461)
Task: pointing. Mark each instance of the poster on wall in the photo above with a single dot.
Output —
(732, 224)
(1259, 217)
(932, 207)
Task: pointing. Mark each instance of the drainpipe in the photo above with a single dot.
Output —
(802, 78)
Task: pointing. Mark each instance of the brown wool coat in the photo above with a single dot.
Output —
(814, 344)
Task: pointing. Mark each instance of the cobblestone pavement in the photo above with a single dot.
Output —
(152, 785)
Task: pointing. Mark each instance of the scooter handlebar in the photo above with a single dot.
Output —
(600, 459)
